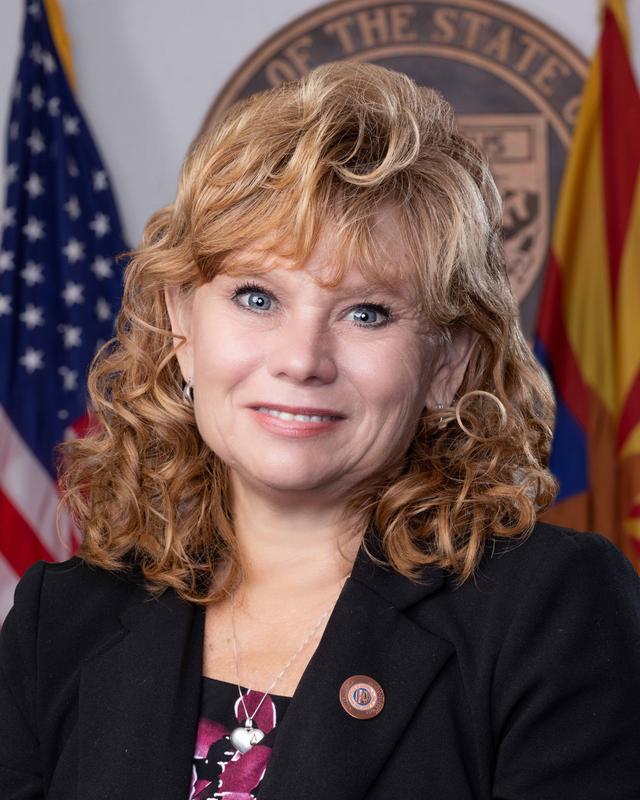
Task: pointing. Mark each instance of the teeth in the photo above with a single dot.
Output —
(300, 417)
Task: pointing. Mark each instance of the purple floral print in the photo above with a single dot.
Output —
(220, 772)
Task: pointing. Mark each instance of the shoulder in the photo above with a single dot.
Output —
(551, 539)
(552, 610)
(552, 579)
(561, 596)
(550, 553)
(67, 604)
(575, 577)
(64, 585)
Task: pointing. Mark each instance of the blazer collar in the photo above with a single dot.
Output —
(389, 584)
(140, 693)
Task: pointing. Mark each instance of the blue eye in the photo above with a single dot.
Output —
(376, 309)
(253, 289)
(364, 310)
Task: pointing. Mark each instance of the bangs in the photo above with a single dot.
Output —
(349, 229)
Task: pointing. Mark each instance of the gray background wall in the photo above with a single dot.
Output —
(149, 69)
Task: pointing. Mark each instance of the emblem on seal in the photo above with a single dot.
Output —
(361, 697)
(515, 85)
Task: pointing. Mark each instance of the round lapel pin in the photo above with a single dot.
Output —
(362, 697)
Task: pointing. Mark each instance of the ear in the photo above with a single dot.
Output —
(452, 366)
(179, 310)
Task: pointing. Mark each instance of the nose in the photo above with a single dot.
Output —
(302, 349)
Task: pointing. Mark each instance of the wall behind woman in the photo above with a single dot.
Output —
(148, 71)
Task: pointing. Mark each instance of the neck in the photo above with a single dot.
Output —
(297, 550)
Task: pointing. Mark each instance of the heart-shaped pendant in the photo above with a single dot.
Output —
(243, 738)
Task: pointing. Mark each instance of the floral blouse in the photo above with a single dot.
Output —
(219, 770)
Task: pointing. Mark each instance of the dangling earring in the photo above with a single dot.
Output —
(187, 392)
(442, 422)
(502, 411)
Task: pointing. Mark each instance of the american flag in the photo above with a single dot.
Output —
(60, 288)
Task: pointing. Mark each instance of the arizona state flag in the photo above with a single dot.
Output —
(588, 332)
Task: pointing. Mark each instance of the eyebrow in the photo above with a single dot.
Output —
(370, 288)
(364, 289)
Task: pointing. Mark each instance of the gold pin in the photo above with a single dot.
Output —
(362, 697)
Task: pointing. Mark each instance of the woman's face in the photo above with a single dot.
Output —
(289, 342)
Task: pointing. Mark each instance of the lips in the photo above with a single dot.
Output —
(308, 410)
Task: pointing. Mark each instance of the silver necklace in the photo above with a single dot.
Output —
(245, 736)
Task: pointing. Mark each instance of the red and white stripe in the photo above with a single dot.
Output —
(28, 508)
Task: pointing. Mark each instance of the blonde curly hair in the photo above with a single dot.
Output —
(145, 489)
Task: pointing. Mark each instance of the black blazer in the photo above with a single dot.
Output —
(523, 684)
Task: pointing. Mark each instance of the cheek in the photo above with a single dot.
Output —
(221, 351)
(393, 377)
(224, 356)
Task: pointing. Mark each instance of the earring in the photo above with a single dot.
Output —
(187, 392)
(442, 422)
(502, 411)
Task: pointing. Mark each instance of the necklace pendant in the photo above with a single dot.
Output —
(244, 737)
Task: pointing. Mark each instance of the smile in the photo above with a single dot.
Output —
(299, 417)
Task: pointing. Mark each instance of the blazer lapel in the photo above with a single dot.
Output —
(320, 750)
(139, 701)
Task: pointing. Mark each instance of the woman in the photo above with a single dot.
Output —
(311, 563)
